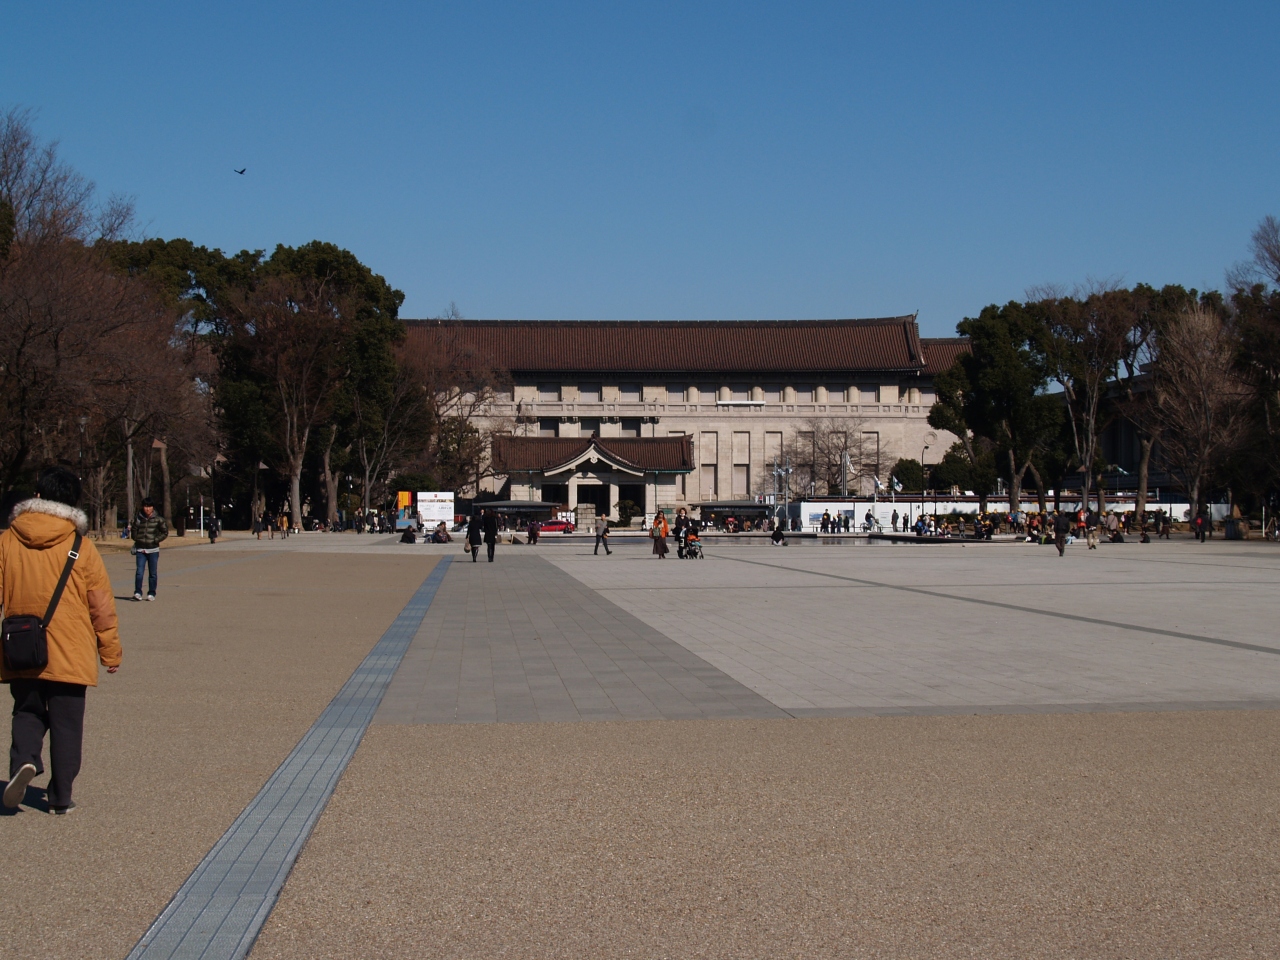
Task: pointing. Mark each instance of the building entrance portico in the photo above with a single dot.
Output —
(591, 470)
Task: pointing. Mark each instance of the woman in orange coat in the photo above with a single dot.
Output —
(81, 634)
(659, 532)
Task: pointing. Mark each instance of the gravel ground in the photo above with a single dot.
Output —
(221, 677)
(1102, 835)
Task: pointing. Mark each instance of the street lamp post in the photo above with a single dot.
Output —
(924, 476)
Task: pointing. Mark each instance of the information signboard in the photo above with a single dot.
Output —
(435, 506)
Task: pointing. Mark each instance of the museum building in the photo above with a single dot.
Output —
(695, 413)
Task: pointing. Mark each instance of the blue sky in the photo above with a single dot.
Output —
(679, 160)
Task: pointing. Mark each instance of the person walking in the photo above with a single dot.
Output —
(48, 568)
(602, 536)
(659, 532)
(148, 529)
(1091, 528)
(215, 530)
(491, 532)
(1062, 523)
(894, 520)
(475, 535)
(681, 529)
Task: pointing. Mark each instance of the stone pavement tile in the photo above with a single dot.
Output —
(221, 677)
(520, 641)
(842, 628)
(1109, 835)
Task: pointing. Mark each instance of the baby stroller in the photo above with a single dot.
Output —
(693, 547)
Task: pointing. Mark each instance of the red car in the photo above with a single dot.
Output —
(556, 526)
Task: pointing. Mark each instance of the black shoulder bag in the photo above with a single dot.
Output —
(25, 645)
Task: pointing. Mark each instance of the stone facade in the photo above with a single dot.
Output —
(852, 388)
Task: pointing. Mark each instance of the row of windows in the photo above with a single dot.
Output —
(707, 392)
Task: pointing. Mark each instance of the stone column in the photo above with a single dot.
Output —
(650, 493)
(613, 498)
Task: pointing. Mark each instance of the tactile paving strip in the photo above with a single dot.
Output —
(218, 912)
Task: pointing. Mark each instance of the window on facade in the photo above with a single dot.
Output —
(740, 391)
(772, 392)
(555, 492)
(772, 447)
(629, 392)
(548, 427)
(870, 394)
(675, 393)
(708, 453)
(804, 393)
(589, 426)
(871, 453)
(741, 465)
(549, 392)
(588, 393)
(679, 481)
(707, 393)
(630, 427)
(835, 393)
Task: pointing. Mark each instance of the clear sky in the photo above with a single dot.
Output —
(682, 160)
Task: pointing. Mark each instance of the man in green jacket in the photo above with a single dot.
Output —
(148, 529)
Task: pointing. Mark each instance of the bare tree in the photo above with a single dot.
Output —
(295, 330)
(831, 454)
(1200, 404)
(1088, 335)
(1264, 266)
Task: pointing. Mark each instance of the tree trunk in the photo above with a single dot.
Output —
(295, 489)
(1102, 496)
(330, 480)
(128, 481)
(1035, 474)
(1015, 483)
(164, 478)
(1144, 471)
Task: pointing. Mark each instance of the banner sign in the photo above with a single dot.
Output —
(435, 506)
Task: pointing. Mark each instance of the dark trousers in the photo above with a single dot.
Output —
(151, 563)
(47, 706)
(600, 538)
(475, 552)
(491, 545)
(1060, 540)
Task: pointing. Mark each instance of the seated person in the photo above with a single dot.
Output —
(408, 536)
(441, 534)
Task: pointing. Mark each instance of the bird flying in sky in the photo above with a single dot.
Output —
(241, 170)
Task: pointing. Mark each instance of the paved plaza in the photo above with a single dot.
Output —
(820, 750)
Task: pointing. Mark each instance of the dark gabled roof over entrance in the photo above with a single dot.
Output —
(684, 347)
(637, 454)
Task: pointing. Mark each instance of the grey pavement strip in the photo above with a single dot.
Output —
(521, 641)
(1119, 625)
(954, 710)
(218, 912)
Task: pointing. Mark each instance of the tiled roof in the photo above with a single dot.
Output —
(519, 454)
(941, 352)
(686, 347)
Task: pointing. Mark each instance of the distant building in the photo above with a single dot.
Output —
(685, 413)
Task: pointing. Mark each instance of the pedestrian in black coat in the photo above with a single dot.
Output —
(475, 535)
(490, 531)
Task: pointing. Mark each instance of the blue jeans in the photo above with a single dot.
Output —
(145, 561)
